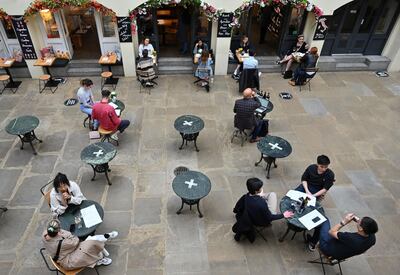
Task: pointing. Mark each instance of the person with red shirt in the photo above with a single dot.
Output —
(105, 114)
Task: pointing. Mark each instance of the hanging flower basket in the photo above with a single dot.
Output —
(277, 4)
(55, 5)
(209, 11)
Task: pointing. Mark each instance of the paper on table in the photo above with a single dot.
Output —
(312, 219)
(118, 112)
(90, 216)
(8, 62)
(296, 195)
(115, 106)
(104, 59)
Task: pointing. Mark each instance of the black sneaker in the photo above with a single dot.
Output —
(310, 244)
(237, 237)
(277, 62)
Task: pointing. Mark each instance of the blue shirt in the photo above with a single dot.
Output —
(250, 63)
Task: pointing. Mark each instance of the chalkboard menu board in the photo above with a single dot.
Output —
(322, 28)
(276, 23)
(24, 37)
(124, 29)
(224, 25)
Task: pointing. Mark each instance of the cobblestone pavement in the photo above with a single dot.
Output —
(352, 117)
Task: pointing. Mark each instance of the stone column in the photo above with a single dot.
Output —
(222, 55)
(38, 43)
(214, 27)
(128, 59)
(391, 49)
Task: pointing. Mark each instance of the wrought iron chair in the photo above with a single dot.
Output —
(325, 260)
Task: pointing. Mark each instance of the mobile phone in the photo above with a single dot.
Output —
(72, 228)
(356, 219)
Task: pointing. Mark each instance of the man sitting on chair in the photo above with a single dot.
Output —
(317, 178)
(261, 208)
(342, 245)
(244, 110)
(107, 116)
(145, 70)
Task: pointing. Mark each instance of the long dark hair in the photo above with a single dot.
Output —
(59, 179)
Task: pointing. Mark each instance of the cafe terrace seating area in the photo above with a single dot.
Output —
(141, 183)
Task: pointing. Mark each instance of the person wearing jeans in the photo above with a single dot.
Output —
(342, 245)
(317, 179)
(107, 117)
(85, 97)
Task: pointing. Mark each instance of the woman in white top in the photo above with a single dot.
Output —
(64, 192)
(86, 100)
(146, 45)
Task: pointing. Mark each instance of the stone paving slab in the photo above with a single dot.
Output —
(349, 116)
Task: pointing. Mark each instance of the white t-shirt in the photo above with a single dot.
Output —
(85, 96)
(148, 47)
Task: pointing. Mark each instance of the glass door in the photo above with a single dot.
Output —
(350, 24)
(383, 26)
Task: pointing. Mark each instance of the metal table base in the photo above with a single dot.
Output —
(28, 138)
(190, 203)
(189, 137)
(101, 168)
(269, 161)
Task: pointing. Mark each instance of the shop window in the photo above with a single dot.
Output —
(9, 29)
(386, 17)
(295, 22)
(50, 24)
(108, 26)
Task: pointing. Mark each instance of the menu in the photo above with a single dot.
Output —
(276, 23)
(322, 28)
(224, 24)
(24, 37)
(124, 29)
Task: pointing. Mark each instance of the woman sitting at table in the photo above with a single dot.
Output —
(204, 70)
(308, 61)
(64, 192)
(86, 100)
(146, 46)
(294, 53)
(200, 47)
(244, 48)
(70, 253)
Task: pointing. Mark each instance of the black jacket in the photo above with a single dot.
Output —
(244, 110)
(257, 211)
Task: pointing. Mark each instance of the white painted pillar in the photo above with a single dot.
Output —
(38, 44)
(128, 59)
(391, 49)
(222, 55)
(214, 28)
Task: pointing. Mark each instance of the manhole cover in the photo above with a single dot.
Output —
(70, 102)
(180, 169)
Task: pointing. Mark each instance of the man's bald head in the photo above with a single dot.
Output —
(247, 93)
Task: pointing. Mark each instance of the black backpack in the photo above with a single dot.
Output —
(264, 128)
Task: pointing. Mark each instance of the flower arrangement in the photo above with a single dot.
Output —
(209, 11)
(3, 14)
(55, 5)
(277, 4)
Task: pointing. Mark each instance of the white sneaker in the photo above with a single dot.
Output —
(104, 261)
(113, 234)
(114, 136)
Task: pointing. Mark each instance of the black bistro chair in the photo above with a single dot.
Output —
(325, 260)
(311, 72)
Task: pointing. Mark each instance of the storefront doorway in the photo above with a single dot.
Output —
(81, 26)
(270, 32)
(174, 30)
(361, 27)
